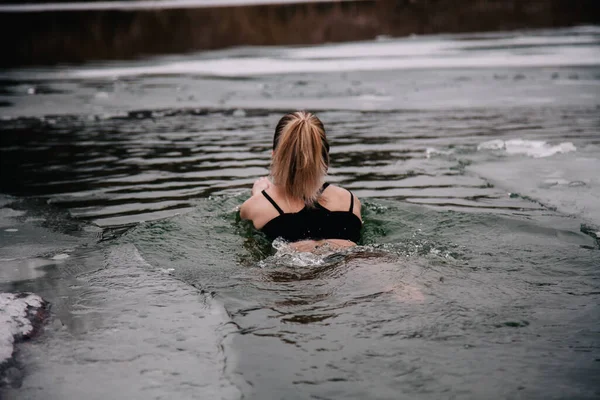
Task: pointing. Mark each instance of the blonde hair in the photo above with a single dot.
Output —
(300, 156)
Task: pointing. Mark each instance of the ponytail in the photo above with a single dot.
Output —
(300, 156)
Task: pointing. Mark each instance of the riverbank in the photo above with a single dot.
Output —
(47, 36)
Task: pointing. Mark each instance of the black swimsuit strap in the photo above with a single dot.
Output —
(317, 204)
(351, 201)
(325, 185)
(272, 202)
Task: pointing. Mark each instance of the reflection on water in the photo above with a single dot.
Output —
(460, 287)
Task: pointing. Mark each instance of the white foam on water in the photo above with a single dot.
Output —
(11, 230)
(532, 148)
(60, 257)
(14, 321)
(288, 256)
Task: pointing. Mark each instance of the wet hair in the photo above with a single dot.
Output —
(300, 156)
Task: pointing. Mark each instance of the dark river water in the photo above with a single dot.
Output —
(476, 158)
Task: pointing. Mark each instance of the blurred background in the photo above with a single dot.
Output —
(35, 32)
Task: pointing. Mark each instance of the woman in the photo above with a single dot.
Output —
(297, 205)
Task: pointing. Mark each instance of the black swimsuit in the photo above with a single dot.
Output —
(313, 223)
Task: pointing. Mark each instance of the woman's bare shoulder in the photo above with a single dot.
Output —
(258, 210)
(339, 199)
(338, 192)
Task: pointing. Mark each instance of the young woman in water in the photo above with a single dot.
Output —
(296, 204)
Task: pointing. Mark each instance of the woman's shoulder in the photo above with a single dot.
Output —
(340, 199)
(257, 209)
(338, 191)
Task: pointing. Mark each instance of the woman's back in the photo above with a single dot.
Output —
(335, 215)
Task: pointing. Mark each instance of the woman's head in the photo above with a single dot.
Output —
(300, 155)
